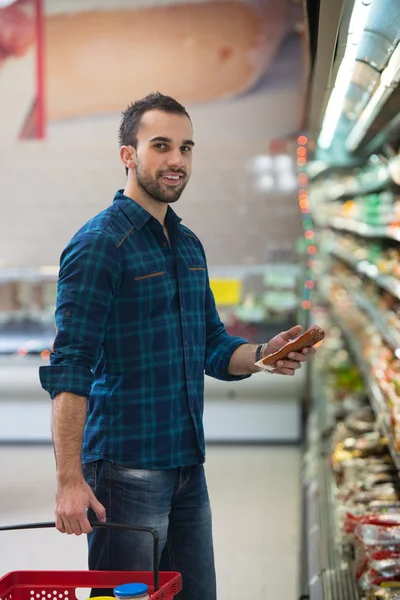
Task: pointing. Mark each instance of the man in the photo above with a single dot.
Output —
(137, 327)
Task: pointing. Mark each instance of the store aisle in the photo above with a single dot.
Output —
(255, 493)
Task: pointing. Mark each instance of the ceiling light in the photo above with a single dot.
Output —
(261, 163)
(390, 78)
(286, 184)
(283, 162)
(335, 105)
(265, 183)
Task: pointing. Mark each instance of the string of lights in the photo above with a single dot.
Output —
(309, 233)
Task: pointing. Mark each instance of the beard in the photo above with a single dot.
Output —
(156, 189)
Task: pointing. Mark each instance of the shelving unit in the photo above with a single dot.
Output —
(329, 561)
(369, 270)
(379, 317)
(377, 400)
(368, 231)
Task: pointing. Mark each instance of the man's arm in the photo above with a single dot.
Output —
(74, 496)
(232, 358)
(89, 274)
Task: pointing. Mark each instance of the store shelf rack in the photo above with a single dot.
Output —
(363, 267)
(330, 563)
(364, 230)
(379, 317)
(377, 400)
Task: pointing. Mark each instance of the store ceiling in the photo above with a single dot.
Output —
(368, 115)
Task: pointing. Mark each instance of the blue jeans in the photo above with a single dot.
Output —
(175, 502)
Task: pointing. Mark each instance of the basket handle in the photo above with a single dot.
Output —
(98, 525)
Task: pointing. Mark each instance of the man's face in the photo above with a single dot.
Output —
(163, 157)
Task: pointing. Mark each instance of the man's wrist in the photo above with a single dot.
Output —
(261, 351)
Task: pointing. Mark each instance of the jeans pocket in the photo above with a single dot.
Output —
(89, 471)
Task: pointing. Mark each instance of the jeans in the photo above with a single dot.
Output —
(175, 502)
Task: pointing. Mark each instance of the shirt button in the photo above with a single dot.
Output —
(186, 342)
(67, 314)
(182, 309)
(188, 376)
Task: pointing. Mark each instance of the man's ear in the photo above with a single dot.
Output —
(128, 156)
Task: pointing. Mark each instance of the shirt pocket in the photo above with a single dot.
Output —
(195, 287)
(153, 291)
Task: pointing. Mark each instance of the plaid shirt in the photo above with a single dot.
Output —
(137, 327)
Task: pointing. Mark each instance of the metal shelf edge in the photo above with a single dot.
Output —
(365, 230)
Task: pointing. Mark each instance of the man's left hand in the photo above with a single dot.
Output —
(289, 365)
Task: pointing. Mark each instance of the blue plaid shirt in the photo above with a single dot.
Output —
(137, 327)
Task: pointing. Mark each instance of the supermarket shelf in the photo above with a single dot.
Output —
(377, 400)
(378, 317)
(363, 267)
(364, 230)
(379, 185)
(380, 320)
(378, 404)
(29, 274)
(330, 567)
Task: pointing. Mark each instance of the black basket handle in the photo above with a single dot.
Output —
(124, 526)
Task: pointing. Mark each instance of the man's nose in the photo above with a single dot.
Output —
(175, 159)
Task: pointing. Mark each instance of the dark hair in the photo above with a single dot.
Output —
(132, 116)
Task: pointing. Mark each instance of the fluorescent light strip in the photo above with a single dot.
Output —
(358, 21)
(389, 78)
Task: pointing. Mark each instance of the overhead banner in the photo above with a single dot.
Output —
(68, 60)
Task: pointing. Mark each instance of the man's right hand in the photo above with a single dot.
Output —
(72, 501)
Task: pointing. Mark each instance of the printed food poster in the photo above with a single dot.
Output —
(20, 24)
(75, 63)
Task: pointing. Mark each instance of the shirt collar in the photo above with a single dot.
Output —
(139, 216)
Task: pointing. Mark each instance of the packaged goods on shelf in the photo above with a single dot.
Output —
(378, 359)
(388, 593)
(366, 482)
(357, 251)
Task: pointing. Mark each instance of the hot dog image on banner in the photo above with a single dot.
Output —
(64, 61)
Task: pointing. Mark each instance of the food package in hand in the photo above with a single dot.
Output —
(309, 338)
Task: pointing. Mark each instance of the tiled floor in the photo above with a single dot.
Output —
(255, 493)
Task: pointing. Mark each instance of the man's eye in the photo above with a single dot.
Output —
(186, 148)
(161, 146)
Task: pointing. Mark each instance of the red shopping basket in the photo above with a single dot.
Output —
(62, 585)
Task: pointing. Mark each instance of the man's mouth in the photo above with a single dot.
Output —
(172, 178)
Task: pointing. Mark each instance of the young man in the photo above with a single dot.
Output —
(137, 327)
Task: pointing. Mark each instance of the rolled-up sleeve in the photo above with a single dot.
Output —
(219, 344)
(88, 278)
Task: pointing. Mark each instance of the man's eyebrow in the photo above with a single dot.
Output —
(160, 138)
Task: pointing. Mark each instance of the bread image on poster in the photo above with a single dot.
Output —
(97, 61)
